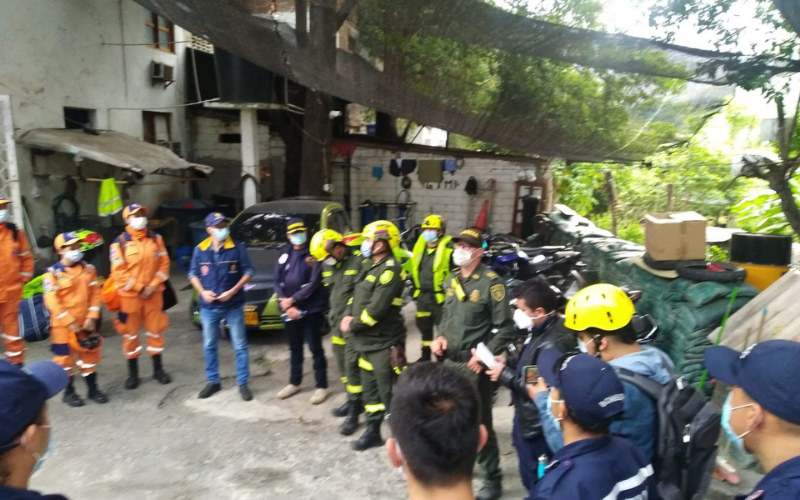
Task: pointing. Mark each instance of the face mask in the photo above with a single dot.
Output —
(138, 223)
(3, 215)
(298, 238)
(430, 236)
(522, 320)
(736, 439)
(550, 409)
(462, 257)
(41, 459)
(222, 233)
(582, 346)
(366, 248)
(330, 261)
(74, 256)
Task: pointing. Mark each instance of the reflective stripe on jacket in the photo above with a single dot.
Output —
(441, 265)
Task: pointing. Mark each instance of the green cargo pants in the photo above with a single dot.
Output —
(429, 314)
(377, 378)
(347, 361)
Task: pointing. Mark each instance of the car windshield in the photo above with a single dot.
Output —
(260, 229)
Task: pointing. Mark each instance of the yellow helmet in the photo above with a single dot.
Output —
(382, 230)
(322, 243)
(434, 222)
(602, 306)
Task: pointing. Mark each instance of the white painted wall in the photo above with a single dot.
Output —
(53, 55)
(447, 199)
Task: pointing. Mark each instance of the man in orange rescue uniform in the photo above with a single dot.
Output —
(72, 295)
(16, 261)
(139, 267)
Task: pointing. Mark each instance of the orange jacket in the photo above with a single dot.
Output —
(16, 263)
(71, 294)
(142, 262)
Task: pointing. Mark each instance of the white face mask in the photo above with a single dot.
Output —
(73, 256)
(462, 257)
(582, 347)
(550, 402)
(522, 320)
(138, 223)
(3, 215)
(330, 261)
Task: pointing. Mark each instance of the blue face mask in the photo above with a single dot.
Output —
(366, 248)
(430, 236)
(222, 233)
(582, 346)
(298, 238)
(735, 439)
(41, 460)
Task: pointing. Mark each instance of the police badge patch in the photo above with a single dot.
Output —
(498, 292)
(204, 270)
(475, 296)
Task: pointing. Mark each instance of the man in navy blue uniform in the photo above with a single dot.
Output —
(302, 299)
(762, 413)
(585, 397)
(220, 269)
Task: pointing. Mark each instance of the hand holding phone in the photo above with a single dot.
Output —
(531, 374)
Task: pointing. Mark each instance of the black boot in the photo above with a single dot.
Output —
(209, 390)
(371, 437)
(490, 491)
(342, 411)
(158, 371)
(244, 391)
(132, 382)
(95, 394)
(70, 396)
(350, 424)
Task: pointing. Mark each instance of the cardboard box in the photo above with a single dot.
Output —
(675, 236)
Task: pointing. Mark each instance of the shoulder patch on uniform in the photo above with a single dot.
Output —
(476, 276)
(390, 263)
(475, 296)
(498, 292)
(283, 258)
(386, 277)
(491, 275)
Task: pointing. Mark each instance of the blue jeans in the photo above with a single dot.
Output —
(234, 317)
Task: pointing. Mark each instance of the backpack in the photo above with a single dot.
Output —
(34, 319)
(688, 428)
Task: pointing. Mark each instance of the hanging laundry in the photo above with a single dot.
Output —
(430, 171)
(377, 172)
(399, 167)
(450, 165)
(109, 201)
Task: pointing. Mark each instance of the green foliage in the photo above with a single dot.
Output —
(762, 212)
(716, 254)
(627, 229)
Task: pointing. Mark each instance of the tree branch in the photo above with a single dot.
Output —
(344, 12)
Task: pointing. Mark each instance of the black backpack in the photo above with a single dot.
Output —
(688, 428)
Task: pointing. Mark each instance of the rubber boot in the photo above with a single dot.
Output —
(371, 437)
(158, 371)
(132, 382)
(490, 491)
(70, 396)
(350, 424)
(342, 411)
(95, 394)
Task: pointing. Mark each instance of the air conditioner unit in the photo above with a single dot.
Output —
(162, 73)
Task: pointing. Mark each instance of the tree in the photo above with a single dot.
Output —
(779, 41)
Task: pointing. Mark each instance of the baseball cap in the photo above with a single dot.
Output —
(471, 237)
(133, 208)
(23, 392)
(214, 218)
(765, 372)
(4, 199)
(65, 239)
(588, 385)
(295, 225)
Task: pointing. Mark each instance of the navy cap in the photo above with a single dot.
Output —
(23, 392)
(214, 218)
(766, 371)
(295, 225)
(588, 385)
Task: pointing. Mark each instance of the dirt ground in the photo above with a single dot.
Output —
(162, 443)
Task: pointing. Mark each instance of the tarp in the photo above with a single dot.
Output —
(110, 147)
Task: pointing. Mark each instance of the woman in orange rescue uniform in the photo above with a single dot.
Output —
(72, 296)
(139, 267)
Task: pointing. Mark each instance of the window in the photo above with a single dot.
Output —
(160, 32)
(337, 220)
(268, 229)
(78, 118)
(156, 127)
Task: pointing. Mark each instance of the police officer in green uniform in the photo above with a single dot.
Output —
(476, 310)
(341, 266)
(430, 267)
(377, 326)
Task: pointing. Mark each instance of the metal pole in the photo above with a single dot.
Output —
(250, 155)
(9, 169)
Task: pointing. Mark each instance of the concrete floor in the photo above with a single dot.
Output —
(162, 443)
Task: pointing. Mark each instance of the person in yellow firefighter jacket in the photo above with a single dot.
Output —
(430, 266)
(139, 267)
(72, 296)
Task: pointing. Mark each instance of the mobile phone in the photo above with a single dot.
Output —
(531, 374)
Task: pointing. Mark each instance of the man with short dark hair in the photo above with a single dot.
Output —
(436, 424)
(26, 439)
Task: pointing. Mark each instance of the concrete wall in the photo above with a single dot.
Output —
(54, 55)
(447, 199)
